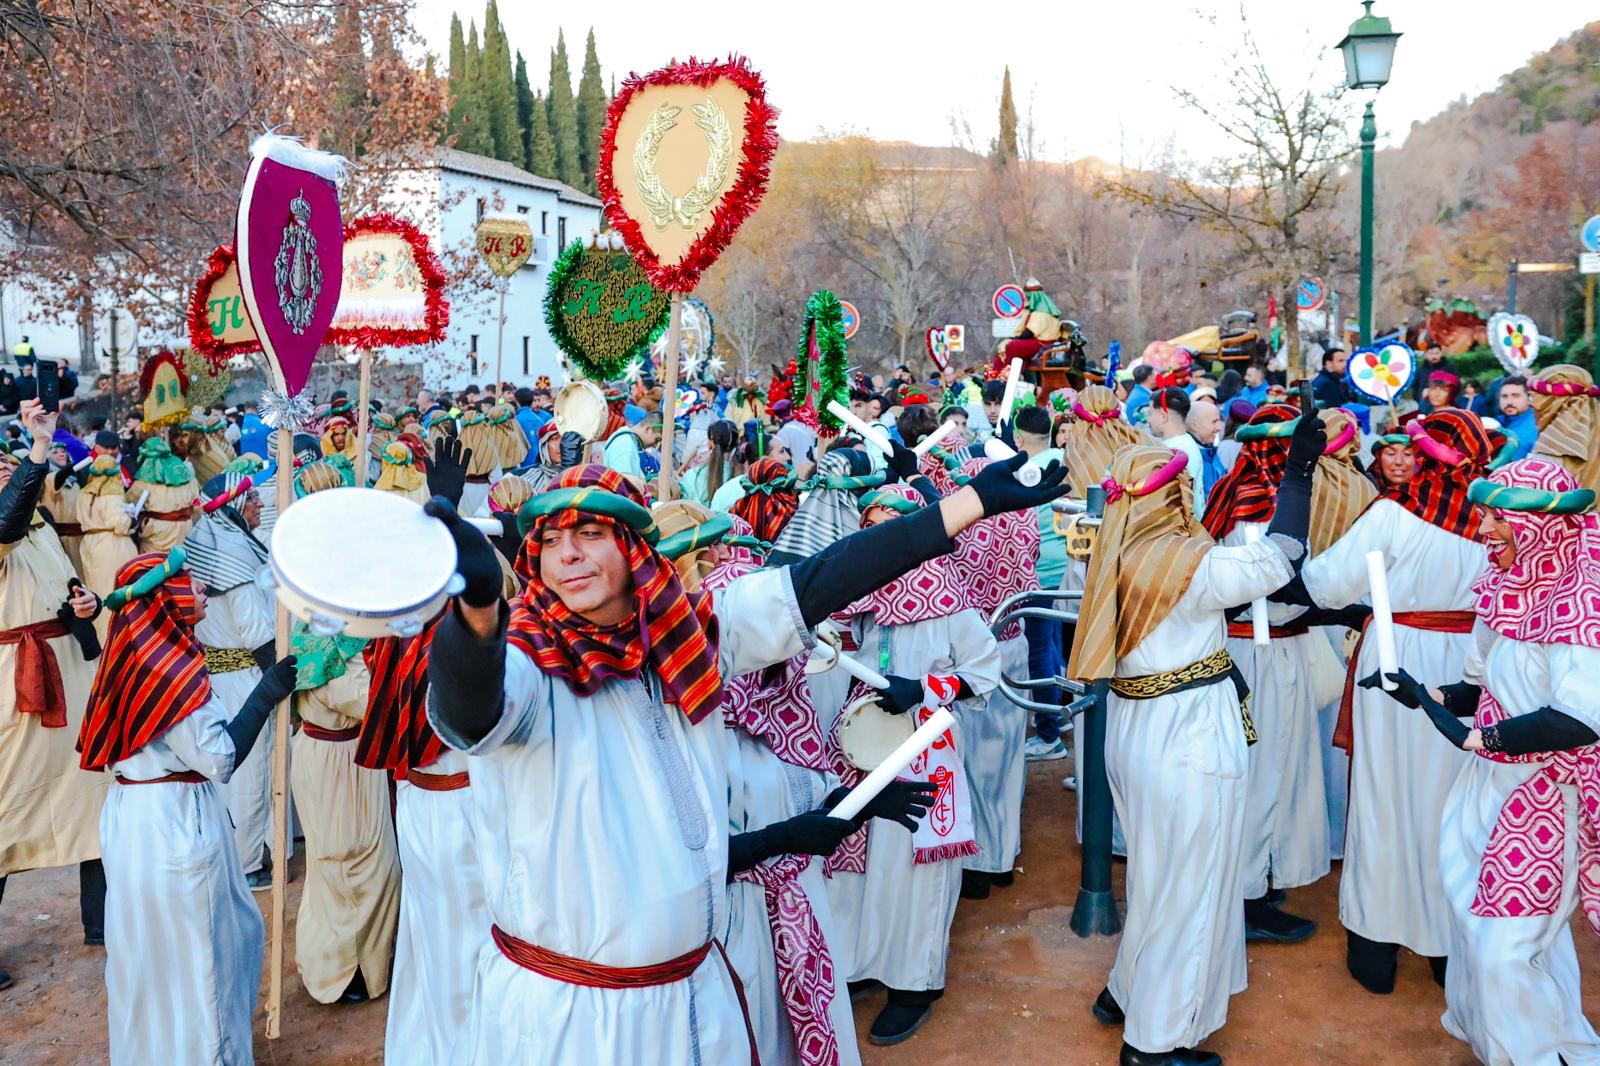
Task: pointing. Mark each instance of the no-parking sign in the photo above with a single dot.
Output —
(1310, 294)
(1009, 301)
(850, 317)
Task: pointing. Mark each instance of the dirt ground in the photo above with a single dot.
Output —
(1019, 989)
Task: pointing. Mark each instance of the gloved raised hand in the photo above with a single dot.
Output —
(902, 463)
(903, 694)
(1305, 446)
(1410, 692)
(904, 802)
(572, 449)
(277, 681)
(447, 473)
(475, 558)
(999, 490)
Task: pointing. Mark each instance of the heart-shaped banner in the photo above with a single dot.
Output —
(1514, 339)
(939, 349)
(1382, 374)
(218, 325)
(683, 162)
(601, 309)
(291, 253)
(505, 244)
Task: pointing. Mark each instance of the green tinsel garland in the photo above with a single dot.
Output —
(826, 316)
(620, 346)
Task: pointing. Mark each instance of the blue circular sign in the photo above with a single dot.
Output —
(1590, 234)
(849, 317)
(1009, 301)
(1309, 294)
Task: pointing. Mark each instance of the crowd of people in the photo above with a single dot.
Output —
(584, 814)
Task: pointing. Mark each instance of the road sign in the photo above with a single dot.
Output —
(117, 335)
(956, 336)
(1002, 328)
(1589, 263)
(1589, 235)
(1009, 301)
(1310, 294)
(850, 317)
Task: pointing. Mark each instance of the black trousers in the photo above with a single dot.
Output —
(91, 897)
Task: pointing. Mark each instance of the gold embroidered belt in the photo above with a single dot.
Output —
(1218, 666)
(228, 660)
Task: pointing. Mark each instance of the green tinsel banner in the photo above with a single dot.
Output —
(602, 310)
(821, 351)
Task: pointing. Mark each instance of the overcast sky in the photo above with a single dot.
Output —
(1097, 75)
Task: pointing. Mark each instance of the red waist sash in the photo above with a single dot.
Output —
(39, 687)
(190, 777)
(1246, 631)
(316, 732)
(182, 515)
(438, 782)
(559, 967)
(1431, 621)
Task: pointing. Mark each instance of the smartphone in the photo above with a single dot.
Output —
(1308, 398)
(49, 384)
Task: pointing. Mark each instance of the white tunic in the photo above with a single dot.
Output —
(1390, 891)
(444, 920)
(763, 790)
(184, 938)
(1286, 815)
(992, 735)
(601, 824)
(245, 617)
(1177, 765)
(897, 915)
(1512, 989)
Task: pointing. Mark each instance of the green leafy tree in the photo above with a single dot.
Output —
(564, 117)
(1005, 146)
(541, 146)
(499, 89)
(470, 111)
(591, 113)
(525, 102)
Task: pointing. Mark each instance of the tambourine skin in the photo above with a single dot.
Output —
(580, 407)
(868, 734)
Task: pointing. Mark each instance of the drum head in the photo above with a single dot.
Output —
(366, 557)
(580, 407)
(868, 734)
(825, 656)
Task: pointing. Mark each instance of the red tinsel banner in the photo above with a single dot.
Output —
(218, 325)
(393, 293)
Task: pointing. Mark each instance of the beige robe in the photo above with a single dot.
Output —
(157, 534)
(107, 544)
(63, 507)
(49, 808)
(350, 906)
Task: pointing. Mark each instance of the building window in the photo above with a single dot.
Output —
(522, 209)
(524, 357)
(544, 223)
(561, 230)
(472, 357)
(483, 206)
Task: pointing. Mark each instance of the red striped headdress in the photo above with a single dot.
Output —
(672, 631)
(153, 673)
(1249, 491)
(395, 734)
(1453, 448)
(771, 501)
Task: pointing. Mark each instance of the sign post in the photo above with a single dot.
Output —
(119, 336)
(1310, 294)
(505, 244)
(1589, 265)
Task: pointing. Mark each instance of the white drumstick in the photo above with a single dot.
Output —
(871, 434)
(1382, 619)
(944, 430)
(861, 671)
(138, 508)
(1259, 627)
(998, 450)
(890, 768)
(491, 527)
(1009, 397)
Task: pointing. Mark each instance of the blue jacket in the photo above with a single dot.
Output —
(1138, 400)
(530, 421)
(1525, 428)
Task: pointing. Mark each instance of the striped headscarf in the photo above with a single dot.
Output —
(1567, 410)
(395, 734)
(1452, 449)
(1249, 492)
(770, 500)
(1094, 434)
(1146, 554)
(1340, 491)
(673, 632)
(222, 551)
(153, 672)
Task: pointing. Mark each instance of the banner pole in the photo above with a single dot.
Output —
(669, 397)
(280, 770)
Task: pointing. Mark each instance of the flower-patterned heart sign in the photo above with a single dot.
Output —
(1514, 339)
(1382, 374)
(939, 349)
(684, 159)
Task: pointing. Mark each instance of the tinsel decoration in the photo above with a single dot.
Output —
(208, 384)
(202, 338)
(782, 386)
(822, 346)
(360, 328)
(286, 412)
(602, 311)
(742, 197)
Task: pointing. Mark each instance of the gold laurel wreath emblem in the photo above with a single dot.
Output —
(686, 210)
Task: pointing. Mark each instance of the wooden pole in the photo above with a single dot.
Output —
(364, 419)
(669, 397)
(500, 347)
(280, 771)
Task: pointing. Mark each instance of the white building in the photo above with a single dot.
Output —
(446, 197)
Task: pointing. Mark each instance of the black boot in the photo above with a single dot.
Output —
(1005, 880)
(1262, 921)
(1439, 963)
(860, 990)
(356, 990)
(902, 1016)
(1372, 964)
(92, 901)
(1183, 1056)
(974, 884)
(1107, 1010)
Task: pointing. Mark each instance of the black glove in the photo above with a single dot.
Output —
(812, 833)
(476, 561)
(1007, 434)
(902, 695)
(273, 688)
(1305, 446)
(447, 474)
(1352, 617)
(19, 498)
(1412, 693)
(572, 447)
(1546, 729)
(82, 629)
(61, 477)
(1461, 698)
(904, 802)
(902, 463)
(999, 491)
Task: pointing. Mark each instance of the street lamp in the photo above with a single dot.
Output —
(1368, 55)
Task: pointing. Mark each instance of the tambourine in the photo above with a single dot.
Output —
(580, 407)
(825, 656)
(361, 563)
(868, 734)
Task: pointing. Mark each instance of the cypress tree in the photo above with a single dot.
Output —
(564, 117)
(499, 89)
(541, 146)
(1005, 148)
(458, 76)
(472, 131)
(591, 113)
(347, 110)
(525, 104)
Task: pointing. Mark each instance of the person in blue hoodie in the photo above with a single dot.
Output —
(1516, 414)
